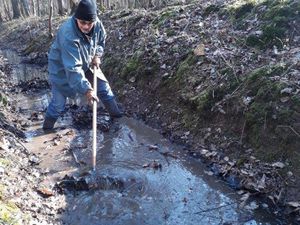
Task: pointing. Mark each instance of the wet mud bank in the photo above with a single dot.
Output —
(141, 177)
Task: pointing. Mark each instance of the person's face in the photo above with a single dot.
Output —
(85, 26)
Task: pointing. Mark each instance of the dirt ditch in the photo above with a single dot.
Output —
(141, 177)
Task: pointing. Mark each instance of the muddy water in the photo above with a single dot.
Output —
(159, 183)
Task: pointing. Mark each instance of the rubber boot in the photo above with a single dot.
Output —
(49, 123)
(113, 108)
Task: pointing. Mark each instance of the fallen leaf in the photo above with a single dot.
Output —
(153, 147)
(278, 165)
(204, 151)
(294, 204)
(210, 173)
(200, 50)
(45, 192)
(146, 165)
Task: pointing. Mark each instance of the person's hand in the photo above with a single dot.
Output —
(96, 62)
(91, 97)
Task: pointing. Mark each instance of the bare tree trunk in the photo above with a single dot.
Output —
(73, 6)
(25, 7)
(101, 4)
(60, 7)
(38, 8)
(50, 18)
(33, 8)
(6, 9)
(107, 4)
(15, 8)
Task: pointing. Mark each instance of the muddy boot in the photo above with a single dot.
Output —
(113, 108)
(49, 123)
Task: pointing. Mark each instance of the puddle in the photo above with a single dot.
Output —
(154, 187)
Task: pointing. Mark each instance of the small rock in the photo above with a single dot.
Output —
(165, 75)
(278, 165)
(1, 170)
(290, 173)
(286, 91)
(153, 147)
(210, 173)
(284, 99)
(252, 206)
(132, 79)
(34, 160)
(164, 66)
(247, 100)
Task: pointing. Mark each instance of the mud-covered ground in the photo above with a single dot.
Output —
(197, 74)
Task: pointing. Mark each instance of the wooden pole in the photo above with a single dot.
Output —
(95, 121)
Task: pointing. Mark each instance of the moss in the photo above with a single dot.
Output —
(287, 9)
(185, 67)
(4, 162)
(201, 101)
(3, 99)
(189, 120)
(256, 114)
(295, 100)
(211, 9)
(9, 213)
(266, 112)
(204, 101)
(275, 20)
(264, 72)
(163, 18)
(272, 35)
(132, 65)
(111, 64)
(243, 10)
(170, 32)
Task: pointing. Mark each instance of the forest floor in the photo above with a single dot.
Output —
(221, 79)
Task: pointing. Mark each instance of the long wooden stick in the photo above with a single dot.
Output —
(95, 121)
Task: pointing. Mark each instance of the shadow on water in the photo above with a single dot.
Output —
(140, 178)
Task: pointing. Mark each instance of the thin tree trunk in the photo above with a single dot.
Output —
(38, 8)
(61, 10)
(15, 8)
(6, 9)
(73, 6)
(50, 18)
(33, 8)
(25, 7)
(107, 4)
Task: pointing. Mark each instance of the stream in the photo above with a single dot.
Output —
(155, 181)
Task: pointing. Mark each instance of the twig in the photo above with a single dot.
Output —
(265, 121)
(186, 24)
(228, 64)
(212, 209)
(285, 126)
(243, 130)
(75, 157)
